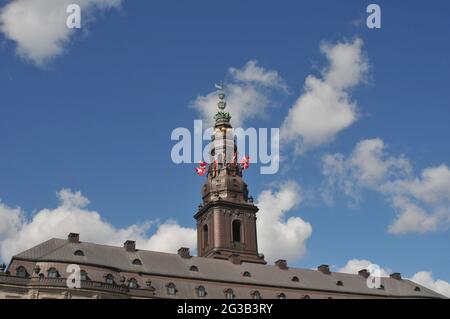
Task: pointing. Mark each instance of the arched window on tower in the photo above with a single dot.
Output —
(236, 226)
(205, 236)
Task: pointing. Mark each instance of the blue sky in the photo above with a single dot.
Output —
(97, 118)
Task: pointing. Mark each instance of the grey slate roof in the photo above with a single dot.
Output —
(173, 265)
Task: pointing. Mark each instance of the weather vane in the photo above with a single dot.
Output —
(221, 87)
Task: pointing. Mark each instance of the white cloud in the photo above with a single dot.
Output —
(18, 233)
(325, 108)
(248, 94)
(432, 187)
(411, 218)
(422, 203)
(39, 26)
(372, 165)
(243, 102)
(11, 221)
(355, 265)
(425, 278)
(253, 73)
(368, 166)
(278, 236)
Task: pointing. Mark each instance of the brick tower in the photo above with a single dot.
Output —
(226, 221)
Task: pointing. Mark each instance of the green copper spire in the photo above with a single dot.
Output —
(221, 116)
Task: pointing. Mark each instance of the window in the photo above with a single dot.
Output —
(281, 296)
(205, 235)
(171, 289)
(137, 262)
(84, 275)
(229, 294)
(109, 279)
(417, 289)
(53, 273)
(256, 295)
(246, 274)
(236, 230)
(201, 291)
(339, 283)
(132, 283)
(79, 253)
(295, 279)
(21, 272)
(193, 268)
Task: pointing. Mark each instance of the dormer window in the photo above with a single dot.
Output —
(246, 274)
(21, 272)
(83, 275)
(201, 291)
(339, 283)
(229, 294)
(132, 283)
(137, 262)
(171, 289)
(53, 273)
(256, 295)
(306, 297)
(417, 289)
(281, 296)
(79, 253)
(193, 268)
(381, 287)
(295, 279)
(109, 279)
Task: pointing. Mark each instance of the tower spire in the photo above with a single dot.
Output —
(226, 221)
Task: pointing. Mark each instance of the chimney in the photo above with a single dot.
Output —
(235, 259)
(184, 252)
(282, 264)
(396, 275)
(324, 269)
(130, 246)
(73, 238)
(364, 273)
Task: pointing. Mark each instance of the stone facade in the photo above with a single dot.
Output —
(118, 272)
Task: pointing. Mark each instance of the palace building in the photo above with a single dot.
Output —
(228, 265)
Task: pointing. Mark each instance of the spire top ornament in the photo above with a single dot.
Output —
(221, 116)
(221, 92)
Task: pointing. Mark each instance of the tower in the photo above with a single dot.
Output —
(226, 221)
